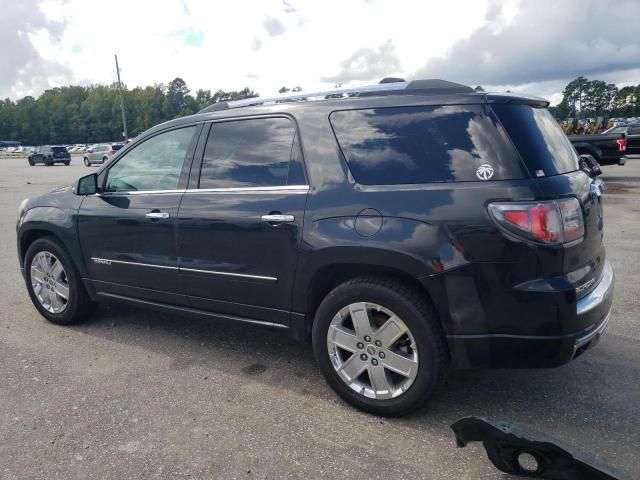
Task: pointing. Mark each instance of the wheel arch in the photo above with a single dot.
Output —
(327, 277)
(587, 148)
(38, 222)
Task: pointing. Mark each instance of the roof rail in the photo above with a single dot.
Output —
(390, 86)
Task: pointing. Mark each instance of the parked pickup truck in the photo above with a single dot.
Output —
(606, 148)
(632, 134)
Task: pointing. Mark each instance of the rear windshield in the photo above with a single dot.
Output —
(544, 147)
(402, 145)
(58, 149)
(116, 146)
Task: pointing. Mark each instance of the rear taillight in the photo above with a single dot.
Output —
(549, 222)
(622, 144)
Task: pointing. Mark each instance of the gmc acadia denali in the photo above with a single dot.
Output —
(401, 227)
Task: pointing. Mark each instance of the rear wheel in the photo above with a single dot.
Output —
(379, 345)
(67, 162)
(54, 284)
(86, 162)
(104, 159)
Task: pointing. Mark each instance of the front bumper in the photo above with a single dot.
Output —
(539, 351)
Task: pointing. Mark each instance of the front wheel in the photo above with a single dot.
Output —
(54, 284)
(379, 345)
(86, 162)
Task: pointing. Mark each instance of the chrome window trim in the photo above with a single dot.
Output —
(138, 192)
(283, 188)
(107, 262)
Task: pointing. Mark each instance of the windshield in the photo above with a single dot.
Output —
(543, 146)
(59, 149)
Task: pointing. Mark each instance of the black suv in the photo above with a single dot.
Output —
(49, 155)
(402, 228)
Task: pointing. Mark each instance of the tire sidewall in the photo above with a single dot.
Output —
(68, 315)
(429, 360)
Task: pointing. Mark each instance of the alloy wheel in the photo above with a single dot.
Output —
(372, 350)
(49, 282)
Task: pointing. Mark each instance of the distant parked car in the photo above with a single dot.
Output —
(49, 155)
(101, 153)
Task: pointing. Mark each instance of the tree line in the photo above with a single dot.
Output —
(583, 98)
(90, 114)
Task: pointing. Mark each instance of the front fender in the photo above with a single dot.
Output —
(50, 221)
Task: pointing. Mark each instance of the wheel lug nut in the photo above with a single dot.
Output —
(382, 355)
(374, 362)
(360, 345)
(367, 338)
(378, 343)
(363, 357)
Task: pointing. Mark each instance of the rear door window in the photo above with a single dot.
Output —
(403, 145)
(250, 153)
(544, 147)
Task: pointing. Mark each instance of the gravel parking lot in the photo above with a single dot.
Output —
(137, 394)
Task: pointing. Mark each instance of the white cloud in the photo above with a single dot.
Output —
(268, 44)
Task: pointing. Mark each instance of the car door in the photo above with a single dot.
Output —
(240, 222)
(127, 231)
(96, 154)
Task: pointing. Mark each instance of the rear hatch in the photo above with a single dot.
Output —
(60, 152)
(552, 161)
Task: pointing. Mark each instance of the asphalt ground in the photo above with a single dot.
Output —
(138, 394)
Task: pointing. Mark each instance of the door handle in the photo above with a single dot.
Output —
(157, 215)
(278, 218)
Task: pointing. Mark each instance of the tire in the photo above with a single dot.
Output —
(78, 305)
(48, 162)
(31, 163)
(104, 159)
(67, 162)
(86, 162)
(402, 394)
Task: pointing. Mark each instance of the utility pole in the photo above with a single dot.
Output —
(124, 117)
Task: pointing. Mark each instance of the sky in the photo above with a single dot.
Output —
(528, 46)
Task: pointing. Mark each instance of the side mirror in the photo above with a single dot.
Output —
(590, 166)
(87, 185)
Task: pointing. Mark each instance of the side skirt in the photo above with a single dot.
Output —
(193, 312)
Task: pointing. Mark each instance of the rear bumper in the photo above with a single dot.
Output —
(539, 351)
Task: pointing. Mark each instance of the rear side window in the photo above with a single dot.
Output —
(544, 147)
(402, 145)
(248, 153)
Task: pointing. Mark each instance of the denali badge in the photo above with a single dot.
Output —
(584, 286)
(484, 171)
(101, 261)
